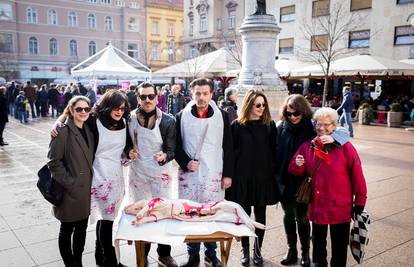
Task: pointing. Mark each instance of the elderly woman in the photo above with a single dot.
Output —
(338, 187)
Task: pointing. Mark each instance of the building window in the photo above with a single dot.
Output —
(91, 21)
(155, 27)
(286, 46)
(232, 20)
(109, 24)
(134, 5)
(203, 23)
(92, 48)
(287, 13)
(404, 35)
(319, 42)
(170, 29)
(359, 39)
(6, 12)
(31, 15)
(360, 4)
(133, 24)
(53, 47)
(404, 1)
(219, 24)
(72, 19)
(33, 46)
(155, 52)
(133, 50)
(52, 17)
(231, 45)
(6, 43)
(193, 52)
(73, 47)
(320, 8)
(106, 2)
(120, 3)
(191, 26)
(92, 1)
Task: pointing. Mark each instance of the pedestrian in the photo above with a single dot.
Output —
(176, 101)
(150, 175)
(162, 99)
(338, 186)
(60, 98)
(346, 109)
(15, 95)
(294, 128)
(204, 153)
(22, 109)
(254, 181)
(132, 98)
(31, 94)
(108, 123)
(67, 95)
(4, 118)
(230, 103)
(11, 98)
(53, 99)
(90, 93)
(70, 163)
(42, 96)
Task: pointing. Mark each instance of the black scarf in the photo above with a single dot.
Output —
(111, 124)
(146, 115)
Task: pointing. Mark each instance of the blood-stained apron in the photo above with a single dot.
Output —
(108, 185)
(146, 178)
(203, 185)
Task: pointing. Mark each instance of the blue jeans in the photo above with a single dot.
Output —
(347, 117)
(194, 249)
(33, 109)
(23, 116)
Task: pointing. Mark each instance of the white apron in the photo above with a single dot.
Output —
(108, 186)
(203, 185)
(147, 179)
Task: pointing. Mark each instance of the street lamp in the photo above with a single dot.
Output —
(171, 51)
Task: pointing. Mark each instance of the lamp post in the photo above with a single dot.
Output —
(171, 51)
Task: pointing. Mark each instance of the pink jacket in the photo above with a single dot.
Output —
(335, 186)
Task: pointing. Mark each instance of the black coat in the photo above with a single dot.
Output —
(254, 182)
(3, 109)
(289, 138)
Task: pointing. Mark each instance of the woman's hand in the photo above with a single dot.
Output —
(300, 160)
(56, 125)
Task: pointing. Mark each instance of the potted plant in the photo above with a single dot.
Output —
(395, 115)
(365, 114)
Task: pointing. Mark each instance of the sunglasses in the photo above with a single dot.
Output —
(150, 97)
(122, 109)
(79, 109)
(290, 114)
(259, 105)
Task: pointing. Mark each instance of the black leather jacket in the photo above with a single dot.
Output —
(168, 134)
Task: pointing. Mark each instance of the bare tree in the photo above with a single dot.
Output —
(193, 67)
(327, 35)
(234, 43)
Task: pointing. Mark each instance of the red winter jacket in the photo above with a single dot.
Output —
(335, 186)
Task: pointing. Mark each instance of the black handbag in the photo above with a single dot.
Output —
(51, 190)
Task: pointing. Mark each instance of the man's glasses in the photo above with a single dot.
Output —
(259, 105)
(150, 97)
(122, 109)
(290, 114)
(80, 109)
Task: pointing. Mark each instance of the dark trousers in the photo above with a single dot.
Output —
(260, 217)
(295, 214)
(339, 243)
(162, 250)
(2, 126)
(71, 252)
(194, 248)
(104, 251)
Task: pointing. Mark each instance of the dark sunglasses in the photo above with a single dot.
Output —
(79, 109)
(295, 114)
(122, 109)
(150, 97)
(259, 105)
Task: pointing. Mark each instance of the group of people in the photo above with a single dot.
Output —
(251, 160)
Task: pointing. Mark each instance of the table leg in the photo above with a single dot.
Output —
(225, 246)
(140, 253)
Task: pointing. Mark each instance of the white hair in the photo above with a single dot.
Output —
(327, 113)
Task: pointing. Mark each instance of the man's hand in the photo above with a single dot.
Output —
(192, 166)
(160, 157)
(300, 160)
(327, 139)
(56, 125)
(225, 182)
(133, 154)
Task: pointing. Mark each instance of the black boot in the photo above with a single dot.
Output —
(304, 237)
(291, 257)
(305, 261)
(245, 258)
(257, 255)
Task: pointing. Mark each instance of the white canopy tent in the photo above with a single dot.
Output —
(358, 64)
(216, 63)
(408, 61)
(110, 65)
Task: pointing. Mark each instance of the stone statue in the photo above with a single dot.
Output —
(260, 7)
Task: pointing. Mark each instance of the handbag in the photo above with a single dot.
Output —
(51, 190)
(304, 193)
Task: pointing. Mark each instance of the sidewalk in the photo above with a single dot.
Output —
(28, 231)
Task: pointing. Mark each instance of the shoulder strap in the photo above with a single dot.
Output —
(318, 164)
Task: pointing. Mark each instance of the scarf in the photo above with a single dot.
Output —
(320, 150)
(147, 115)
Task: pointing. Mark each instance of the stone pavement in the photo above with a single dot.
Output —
(28, 231)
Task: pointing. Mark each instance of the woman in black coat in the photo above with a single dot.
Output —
(254, 183)
(3, 113)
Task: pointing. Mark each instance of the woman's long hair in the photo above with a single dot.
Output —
(247, 105)
(298, 103)
(72, 102)
(112, 99)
